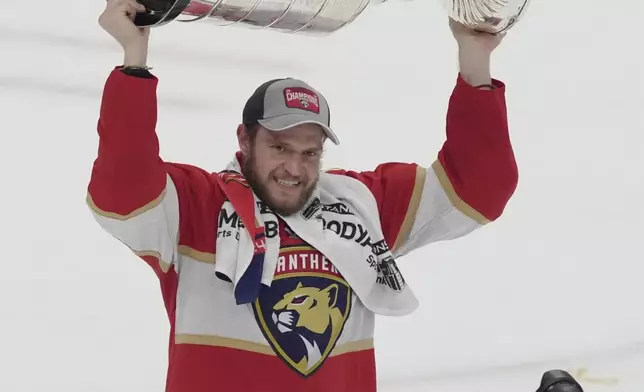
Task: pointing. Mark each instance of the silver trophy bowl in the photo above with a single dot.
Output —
(491, 16)
(292, 16)
(318, 17)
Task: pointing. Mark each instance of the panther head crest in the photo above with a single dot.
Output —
(309, 312)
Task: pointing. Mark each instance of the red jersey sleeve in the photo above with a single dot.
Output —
(469, 184)
(157, 209)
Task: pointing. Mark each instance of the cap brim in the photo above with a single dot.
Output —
(281, 123)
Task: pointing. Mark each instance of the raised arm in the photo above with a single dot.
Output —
(130, 193)
(134, 195)
(473, 175)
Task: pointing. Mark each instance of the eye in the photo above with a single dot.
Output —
(299, 300)
(279, 147)
(312, 154)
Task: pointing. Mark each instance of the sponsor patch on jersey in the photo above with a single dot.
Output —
(301, 98)
(304, 311)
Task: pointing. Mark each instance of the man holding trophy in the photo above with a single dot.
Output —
(271, 266)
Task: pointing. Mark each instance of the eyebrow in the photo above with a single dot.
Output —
(277, 139)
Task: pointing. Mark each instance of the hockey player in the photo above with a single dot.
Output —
(271, 270)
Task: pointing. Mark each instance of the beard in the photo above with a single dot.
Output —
(260, 187)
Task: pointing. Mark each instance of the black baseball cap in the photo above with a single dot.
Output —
(280, 104)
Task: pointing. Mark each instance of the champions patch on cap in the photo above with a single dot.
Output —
(301, 98)
(280, 104)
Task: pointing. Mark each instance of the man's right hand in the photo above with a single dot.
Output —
(118, 21)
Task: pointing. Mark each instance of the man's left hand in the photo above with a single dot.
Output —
(472, 40)
(474, 50)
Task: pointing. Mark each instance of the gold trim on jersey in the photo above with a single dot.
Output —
(164, 265)
(352, 347)
(136, 212)
(203, 257)
(460, 205)
(296, 248)
(219, 341)
(412, 208)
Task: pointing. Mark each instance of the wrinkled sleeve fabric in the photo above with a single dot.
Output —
(468, 185)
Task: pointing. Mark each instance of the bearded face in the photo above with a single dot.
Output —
(283, 167)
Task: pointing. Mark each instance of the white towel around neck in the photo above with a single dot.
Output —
(339, 202)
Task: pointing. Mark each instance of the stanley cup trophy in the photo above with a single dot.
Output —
(318, 17)
(492, 16)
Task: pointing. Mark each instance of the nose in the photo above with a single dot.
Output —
(294, 165)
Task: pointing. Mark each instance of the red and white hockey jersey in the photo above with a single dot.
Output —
(308, 331)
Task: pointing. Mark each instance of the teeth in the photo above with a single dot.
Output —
(288, 183)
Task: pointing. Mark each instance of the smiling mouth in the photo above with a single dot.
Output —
(288, 183)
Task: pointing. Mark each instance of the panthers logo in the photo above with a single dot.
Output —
(309, 312)
(304, 322)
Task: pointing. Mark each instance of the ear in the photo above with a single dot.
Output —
(332, 294)
(243, 139)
